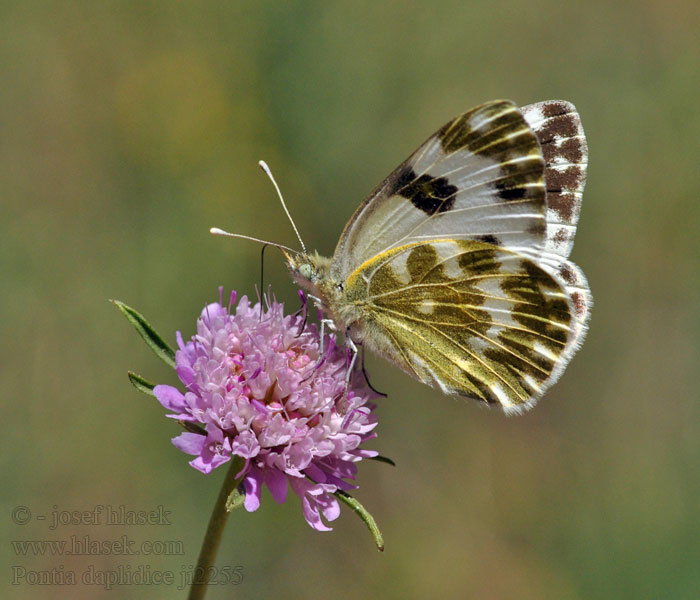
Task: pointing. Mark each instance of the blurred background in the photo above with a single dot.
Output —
(127, 129)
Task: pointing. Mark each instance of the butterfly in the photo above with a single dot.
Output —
(456, 269)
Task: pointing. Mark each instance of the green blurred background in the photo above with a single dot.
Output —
(127, 129)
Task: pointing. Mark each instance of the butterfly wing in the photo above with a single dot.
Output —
(480, 176)
(467, 317)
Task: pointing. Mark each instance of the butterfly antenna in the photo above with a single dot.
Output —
(217, 231)
(264, 167)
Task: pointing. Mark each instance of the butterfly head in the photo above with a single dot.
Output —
(310, 271)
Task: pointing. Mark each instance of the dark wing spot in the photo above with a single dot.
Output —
(489, 239)
(564, 203)
(537, 227)
(500, 120)
(568, 179)
(429, 194)
(561, 236)
(552, 109)
(563, 126)
(421, 260)
(506, 193)
(570, 149)
(579, 303)
(404, 176)
(567, 273)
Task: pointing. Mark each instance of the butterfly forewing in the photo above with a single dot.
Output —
(467, 317)
(480, 177)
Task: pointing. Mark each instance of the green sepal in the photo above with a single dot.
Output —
(141, 384)
(149, 335)
(367, 518)
(235, 499)
(237, 496)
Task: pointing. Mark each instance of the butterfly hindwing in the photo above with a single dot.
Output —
(480, 176)
(467, 317)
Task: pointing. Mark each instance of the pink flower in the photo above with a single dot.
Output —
(261, 388)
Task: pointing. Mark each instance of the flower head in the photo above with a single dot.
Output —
(258, 383)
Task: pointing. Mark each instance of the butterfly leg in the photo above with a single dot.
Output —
(303, 310)
(329, 322)
(353, 349)
(364, 374)
(331, 325)
(322, 348)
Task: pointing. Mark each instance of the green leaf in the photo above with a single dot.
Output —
(367, 518)
(149, 335)
(141, 384)
(384, 459)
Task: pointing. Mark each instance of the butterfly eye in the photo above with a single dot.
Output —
(306, 271)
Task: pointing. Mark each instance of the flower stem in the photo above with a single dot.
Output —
(212, 539)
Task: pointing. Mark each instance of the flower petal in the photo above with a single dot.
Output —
(171, 398)
(329, 506)
(309, 506)
(245, 445)
(185, 374)
(252, 485)
(276, 482)
(190, 443)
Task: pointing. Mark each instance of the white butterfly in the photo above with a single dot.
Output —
(456, 267)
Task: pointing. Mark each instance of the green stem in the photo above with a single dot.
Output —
(212, 539)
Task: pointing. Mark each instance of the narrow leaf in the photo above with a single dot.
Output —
(149, 335)
(384, 459)
(141, 384)
(192, 427)
(367, 518)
